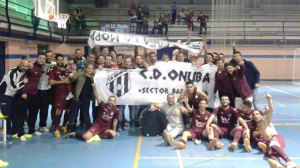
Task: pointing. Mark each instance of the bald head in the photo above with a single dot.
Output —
(24, 65)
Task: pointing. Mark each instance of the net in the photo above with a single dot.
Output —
(61, 20)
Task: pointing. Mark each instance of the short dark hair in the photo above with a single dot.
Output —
(189, 82)
(120, 55)
(202, 100)
(152, 53)
(77, 49)
(219, 59)
(247, 103)
(41, 53)
(71, 57)
(237, 52)
(48, 51)
(58, 55)
(210, 54)
(225, 96)
(112, 97)
(229, 64)
(25, 57)
(88, 64)
(216, 53)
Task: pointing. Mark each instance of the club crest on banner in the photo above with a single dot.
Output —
(118, 83)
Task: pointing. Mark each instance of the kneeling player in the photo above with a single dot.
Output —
(197, 130)
(107, 116)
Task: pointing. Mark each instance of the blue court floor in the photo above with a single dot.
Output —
(132, 150)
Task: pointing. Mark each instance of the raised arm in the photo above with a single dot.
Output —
(181, 97)
(187, 106)
(269, 113)
(96, 93)
(154, 106)
(200, 93)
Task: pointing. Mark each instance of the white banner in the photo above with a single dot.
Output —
(114, 39)
(152, 85)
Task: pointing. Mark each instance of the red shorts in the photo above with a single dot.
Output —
(196, 133)
(97, 129)
(225, 131)
(278, 141)
(60, 101)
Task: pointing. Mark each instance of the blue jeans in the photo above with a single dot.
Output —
(85, 106)
(255, 98)
(203, 26)
(132, 115)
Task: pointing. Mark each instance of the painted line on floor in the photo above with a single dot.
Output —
(286, 124)
(179, 158)
(279, 104)
(137, 153)
(289, 126)
(286, 119)
(208, 158)
(282, 91)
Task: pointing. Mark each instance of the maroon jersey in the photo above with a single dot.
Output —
(193, 101)
(33, 76)
(58, 75)
(199, 120)
(226, 118)
(248, 118)
(106, 115)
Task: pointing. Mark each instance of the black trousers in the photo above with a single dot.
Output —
(21, 114)
(45, 100)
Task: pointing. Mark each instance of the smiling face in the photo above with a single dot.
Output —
(225, 101)
(190, 88)
(171, 99)
(230, 69)
(111, 101)
(202, 105)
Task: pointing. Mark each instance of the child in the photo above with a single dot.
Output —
(70, 68)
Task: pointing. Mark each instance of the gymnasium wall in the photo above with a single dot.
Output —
(273, 62)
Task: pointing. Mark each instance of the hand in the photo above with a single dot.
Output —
(247, 133)
(24, 96)
(233, 44)
(117, 134)
(267, 96)
(100, 67)
(152, 108)
(256, 85)
(25, 80)
(94, 85)
(237, 67)
(208, 129)
(266, 109)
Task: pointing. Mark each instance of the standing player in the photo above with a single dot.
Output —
(227, 118)
(107, 117)
(276, 142)
(173, 112)
(197, 130)
(58, 80)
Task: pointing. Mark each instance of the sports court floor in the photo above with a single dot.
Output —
(132, 150)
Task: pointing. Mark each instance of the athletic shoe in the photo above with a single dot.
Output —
(170, 139)
(70, 96)
(247, 145)
(15, 136)
(51, 127)
(197, 141)
(57, 133)
(212, 144)
(220, 145)
(2, 116)
(233, 146)
(3, 164)
(291, 164)
(70, 135)
(132, 128)
(165, 135)
(274, 164)
(262, 146)
(96, 138)
(28, 135)
(37, 133)
(23, 138)
(180, 145)
(64, 129)
(44, 129)
(119, 129)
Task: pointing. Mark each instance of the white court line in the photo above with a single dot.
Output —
(282, 91)
(286, 119)
(179, 159)
(279, 104)
(208, 158)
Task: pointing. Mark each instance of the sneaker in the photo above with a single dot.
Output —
(28, 135)
(3, 164)
(291, 164)
(180, 145)
(57, 133)
(274, 164)
(262, 146)
(220, 145)
(132, 128)
(70, 96)
(212, 144)
(170, 139)
(96, 138)
(44, 129)
(165, 135)
(37, 133)
(70, 135)
(15, 136)
(197, 141)
(247, 145)
(51, 127)
(119, 129)
(2, 116)
(23, 138)
(64, 129)
(233, 146)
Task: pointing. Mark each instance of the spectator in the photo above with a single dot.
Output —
(190, 18)
(182, 17)
(83, 25)
(139, 21)
(78, 14)
(133, 26)
(164, 24)
(145, 25)
(174, 11)
(155, 26)
(203, 20)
